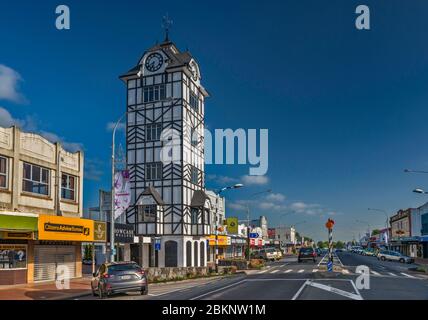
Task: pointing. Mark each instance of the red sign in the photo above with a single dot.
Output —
(329, 224)
(271, 233)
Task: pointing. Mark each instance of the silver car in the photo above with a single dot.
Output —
(394, 256)
(116, 277)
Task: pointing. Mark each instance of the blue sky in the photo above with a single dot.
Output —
(346, 109)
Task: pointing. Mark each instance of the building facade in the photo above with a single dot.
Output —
(165, 157)
(402, 237)
(41, 193)
(262, 223)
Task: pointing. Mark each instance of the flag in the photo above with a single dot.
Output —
(122, 192)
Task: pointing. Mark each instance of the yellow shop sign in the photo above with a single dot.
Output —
(65, 229)
(222, 240)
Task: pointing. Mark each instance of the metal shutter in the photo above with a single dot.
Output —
(47, 258)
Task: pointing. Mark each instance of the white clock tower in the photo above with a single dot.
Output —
(169, 204)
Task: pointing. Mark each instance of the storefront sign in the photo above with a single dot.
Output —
(123, 233)
(232, 225)
(63, 228)
(16, 235)
(222, 240)
(100, 231)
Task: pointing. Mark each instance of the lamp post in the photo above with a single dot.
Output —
(112, 249)
(218, 193)
(386, 221)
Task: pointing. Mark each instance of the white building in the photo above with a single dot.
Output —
(286, 235)
(165, 105)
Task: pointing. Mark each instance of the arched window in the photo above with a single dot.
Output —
(195, 247)
(189, 253)
(171, 254)
(202, 246)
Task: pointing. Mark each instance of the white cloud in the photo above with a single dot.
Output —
(278, 197)
(121, 126)
(221, 179)
(6, 119)
(255, 180)
(9, 82)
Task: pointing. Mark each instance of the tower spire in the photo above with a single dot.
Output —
(166, 25)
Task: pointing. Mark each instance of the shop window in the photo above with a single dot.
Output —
(13, 256)
(35, 179)
(68, 187)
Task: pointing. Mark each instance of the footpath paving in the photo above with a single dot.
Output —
(46, 291)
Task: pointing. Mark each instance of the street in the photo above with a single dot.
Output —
(289, 280)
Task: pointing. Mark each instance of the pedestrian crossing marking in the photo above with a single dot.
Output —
(408, 275)
(263, 271)
(301, 270)
(345, 271)
(287, 271)
(274, 271)
(375, 273)
(315, 270)
(392, 274)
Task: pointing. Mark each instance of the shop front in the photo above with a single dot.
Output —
(222, 243)
(16, 237)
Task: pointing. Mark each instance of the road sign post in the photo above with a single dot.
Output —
(329, 225)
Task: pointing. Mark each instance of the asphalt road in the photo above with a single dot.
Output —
(289, 280)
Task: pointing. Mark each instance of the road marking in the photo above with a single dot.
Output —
(335, 290)
(301, 270)
(300, 290)
(219, 289)
(315, 270)
(345, 271)
(392, 274)
(287, 271)
(263, 271)
(274, 271)
(408, 275)
(375, 273)
(284, 265)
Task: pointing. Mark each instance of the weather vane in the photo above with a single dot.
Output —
(166, 24)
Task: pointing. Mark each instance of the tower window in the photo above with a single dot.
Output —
(194, 102)
(194, 172)
(153, 171)
(194, 215)
(147, 213)
(193, 137)
(153, 131)
(154, 93)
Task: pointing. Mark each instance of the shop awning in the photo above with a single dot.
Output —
(17, 222)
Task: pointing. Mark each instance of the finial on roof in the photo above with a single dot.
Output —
(166, 25)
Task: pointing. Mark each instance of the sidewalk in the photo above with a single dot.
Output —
(422, 261)
(46, 290)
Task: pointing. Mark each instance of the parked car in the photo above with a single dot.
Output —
(266, 254)
(279, 254)
(307, 254)
(356, 249)
(369, 252)
(116, 277)
(394, 256)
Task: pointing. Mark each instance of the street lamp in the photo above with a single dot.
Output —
(387, 220)
(418, 190)
(218, 192)
(414, 171)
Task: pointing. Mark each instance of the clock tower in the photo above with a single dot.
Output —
(169, 209)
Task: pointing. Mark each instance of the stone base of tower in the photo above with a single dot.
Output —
(175, 251)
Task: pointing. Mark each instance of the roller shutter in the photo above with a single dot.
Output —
(48, 258)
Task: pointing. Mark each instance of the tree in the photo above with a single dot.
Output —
(339, 245)
(375, 232)
(320, 244)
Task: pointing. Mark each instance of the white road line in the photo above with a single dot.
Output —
(408, 275)
(315, 270)
(284, 265)
(345, 271)
(335, 290)
(300, 290)
(274, 271)
(287, 271)
(263, 271)
(219, 289)
(301, 270)
(392, 274)
(375, 273)
(356, 289)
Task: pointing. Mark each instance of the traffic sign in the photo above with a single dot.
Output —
(254, 235)
(157, 246)
(330, 266)
(329, 224)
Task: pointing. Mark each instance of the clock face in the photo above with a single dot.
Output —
(154, 62)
